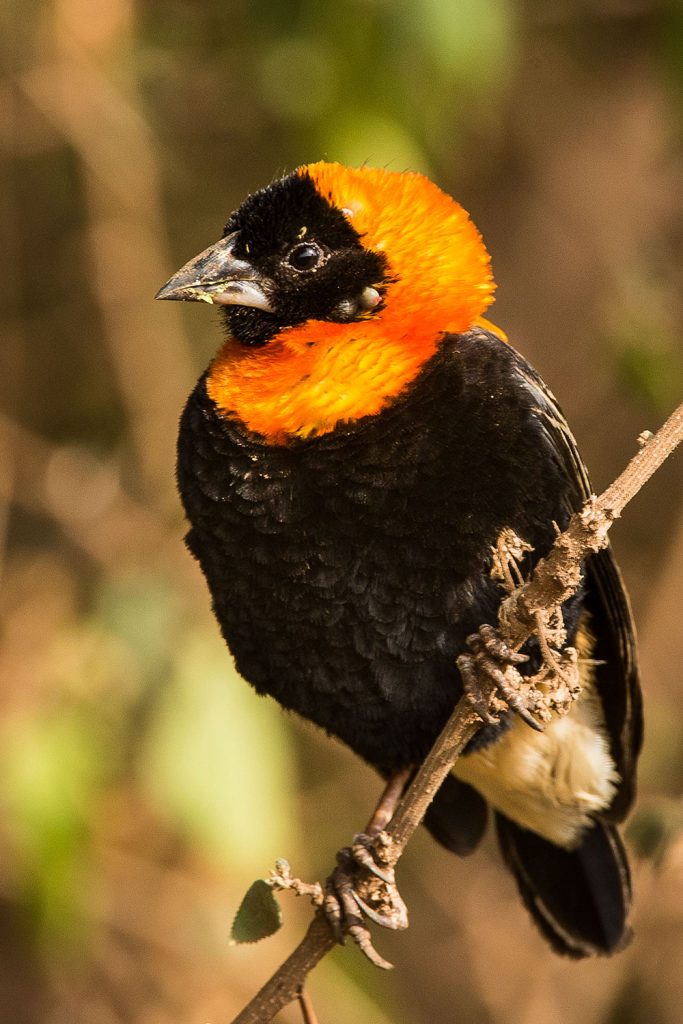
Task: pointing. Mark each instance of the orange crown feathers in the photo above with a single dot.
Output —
(435, 253)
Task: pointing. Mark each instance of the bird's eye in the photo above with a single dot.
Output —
(305, 256)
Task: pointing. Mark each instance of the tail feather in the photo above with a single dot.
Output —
(457, 816)
(579, 898)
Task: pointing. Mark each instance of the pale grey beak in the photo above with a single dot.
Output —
(217, 276)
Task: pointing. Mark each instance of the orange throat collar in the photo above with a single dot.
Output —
(311, 378)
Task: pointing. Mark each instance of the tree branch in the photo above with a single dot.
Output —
(553, 581)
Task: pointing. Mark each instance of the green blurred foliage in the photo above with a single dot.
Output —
(52, 774)
(652, 373)
(216, 769)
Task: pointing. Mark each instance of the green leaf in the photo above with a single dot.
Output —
(259, 914)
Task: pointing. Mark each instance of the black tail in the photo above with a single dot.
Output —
(579, 898)
(457, 816)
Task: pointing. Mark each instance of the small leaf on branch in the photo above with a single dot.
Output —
(259, 914)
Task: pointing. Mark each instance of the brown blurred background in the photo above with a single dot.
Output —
(143, 787)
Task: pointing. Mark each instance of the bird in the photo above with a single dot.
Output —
(347, 464)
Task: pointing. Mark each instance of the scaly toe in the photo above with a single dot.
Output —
(361, 851)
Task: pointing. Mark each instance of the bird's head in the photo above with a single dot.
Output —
(325, 267)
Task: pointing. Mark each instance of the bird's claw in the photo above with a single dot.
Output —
(489, 654)
(358, 890)
(363, 850)
(396, 919)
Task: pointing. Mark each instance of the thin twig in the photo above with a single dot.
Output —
(456, 734)
(553, 581)
(307, 1011)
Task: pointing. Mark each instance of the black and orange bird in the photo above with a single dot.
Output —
(347, 463)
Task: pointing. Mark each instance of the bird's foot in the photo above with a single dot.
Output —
(489, 657)
(363, 887)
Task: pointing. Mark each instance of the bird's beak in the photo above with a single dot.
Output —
(217, 276)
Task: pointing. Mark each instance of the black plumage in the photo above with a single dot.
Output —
(347, 570)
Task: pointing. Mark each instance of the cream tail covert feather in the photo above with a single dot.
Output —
(550, 782)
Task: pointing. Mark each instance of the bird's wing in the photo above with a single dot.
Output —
(611, 621)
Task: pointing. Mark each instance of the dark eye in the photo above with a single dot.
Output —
(305, 256)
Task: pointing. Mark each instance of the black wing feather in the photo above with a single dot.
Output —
(611, 620)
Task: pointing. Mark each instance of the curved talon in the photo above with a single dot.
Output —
(347, 911)
(395, 923)
(474, 696)
(514, 700)
(526, 716)
(374, 915)
(361, 853)
(488, 653)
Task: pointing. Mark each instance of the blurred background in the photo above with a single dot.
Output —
(142, 786)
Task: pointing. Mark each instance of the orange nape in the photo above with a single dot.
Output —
(311, 377)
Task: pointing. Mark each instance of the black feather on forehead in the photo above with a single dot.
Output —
(274, 218)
